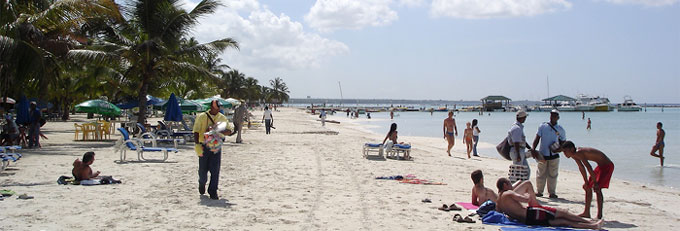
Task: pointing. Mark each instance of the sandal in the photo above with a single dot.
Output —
(444, 208)
(454, 207)
(468, 220)
(457, 218)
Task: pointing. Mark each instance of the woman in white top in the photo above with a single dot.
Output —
(268, 119)
(475, 137)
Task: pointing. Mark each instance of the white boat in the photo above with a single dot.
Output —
(589, 103)
(629, 105)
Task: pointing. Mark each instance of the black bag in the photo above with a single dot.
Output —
(504, 149)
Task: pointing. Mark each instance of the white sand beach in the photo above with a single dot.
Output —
(301, 177)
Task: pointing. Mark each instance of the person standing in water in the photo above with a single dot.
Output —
(588, 127)
(659, 145)
(450, 130)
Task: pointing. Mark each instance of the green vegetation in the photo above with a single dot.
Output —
(69, 51)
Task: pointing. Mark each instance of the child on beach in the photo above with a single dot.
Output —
(81, 169)
(467, 138)
(480, 193)
(599, 178)
(659, 145)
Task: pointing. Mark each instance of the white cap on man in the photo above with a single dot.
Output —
(555, 111)
(521, 114)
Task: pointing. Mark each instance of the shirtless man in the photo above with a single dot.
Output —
(659, 145)
(511, 203)
(81, 169)
(599, 178)
(450, 130)
(481, 194)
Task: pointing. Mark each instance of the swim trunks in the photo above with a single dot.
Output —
(603, 173)
(658, 145)
(449, 133)
(540, 215)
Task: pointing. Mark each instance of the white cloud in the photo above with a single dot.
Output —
(268, 42)
(411, 3)
(645, 2)
(478, 9)
(329, 15)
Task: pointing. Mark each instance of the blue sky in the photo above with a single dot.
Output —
(456, 49)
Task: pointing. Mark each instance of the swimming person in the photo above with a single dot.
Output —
(475, 137)
(659, 145)
(450, 130)
(593, 179)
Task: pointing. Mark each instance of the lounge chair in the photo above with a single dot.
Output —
(125, 143)
(373, 147)
(11, 151)
(405, 149)
(146, 137)
(166, 131)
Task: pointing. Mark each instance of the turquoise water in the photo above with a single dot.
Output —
(626, 137)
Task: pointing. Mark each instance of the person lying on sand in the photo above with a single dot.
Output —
(481, 194)
(512, 204)
(81, 169)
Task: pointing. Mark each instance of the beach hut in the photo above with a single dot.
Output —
(558, 100)
(495, 102)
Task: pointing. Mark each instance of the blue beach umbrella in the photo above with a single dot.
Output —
(172, 111)
(22, 111)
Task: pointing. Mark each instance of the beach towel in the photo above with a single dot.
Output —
(496, 218)
(468, 205)
(421, 181)
(67, 180)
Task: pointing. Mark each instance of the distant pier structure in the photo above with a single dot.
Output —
(495, 102)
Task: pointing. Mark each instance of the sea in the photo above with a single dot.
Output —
(625, 137)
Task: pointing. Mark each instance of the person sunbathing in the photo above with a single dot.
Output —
(81, 169)
(511, 203)
(481, 194)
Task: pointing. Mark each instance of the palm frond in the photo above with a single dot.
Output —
(94, 57)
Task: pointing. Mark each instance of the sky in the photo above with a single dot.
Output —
(455, 49)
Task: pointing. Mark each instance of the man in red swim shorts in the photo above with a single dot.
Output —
(599, 178)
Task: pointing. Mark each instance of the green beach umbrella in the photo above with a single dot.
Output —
(224, 102)
(98, 106)
(188, 106)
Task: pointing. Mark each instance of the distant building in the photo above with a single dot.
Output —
(495, 102)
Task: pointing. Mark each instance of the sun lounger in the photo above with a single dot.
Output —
(165, 131)
(405, 149)
(125, 143)
(11, 151)
(146, 137)
(371, 147)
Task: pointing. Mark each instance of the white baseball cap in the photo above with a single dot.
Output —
(521, 114)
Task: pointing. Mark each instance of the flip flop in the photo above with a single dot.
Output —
(444, 208)
(25, 197)
(468, 220)
(457, 218)
(454, 207)
(426, 200)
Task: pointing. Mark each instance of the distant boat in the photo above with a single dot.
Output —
(629, 105)
(589, 103)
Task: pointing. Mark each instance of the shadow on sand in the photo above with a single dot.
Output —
(223, 203)
(618, 225)
(375, 158)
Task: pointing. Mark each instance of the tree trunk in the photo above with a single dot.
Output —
(142, 102)
(65, 110)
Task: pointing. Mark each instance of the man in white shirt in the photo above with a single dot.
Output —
(518, 141)
(268, 119)
(322, 115)
(549, 134)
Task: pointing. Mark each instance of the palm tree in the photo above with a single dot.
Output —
(35, 36)
(279, 90)
(149, 46)
(253, 90)
(233, 84)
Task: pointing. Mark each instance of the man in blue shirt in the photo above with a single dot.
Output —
(549, 134)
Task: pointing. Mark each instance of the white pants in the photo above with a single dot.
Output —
(547, 171)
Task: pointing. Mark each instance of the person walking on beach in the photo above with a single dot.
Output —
(588, 126)
(208, 160)
(268, 119)
(583, 115)
(322, 115)
(450, 130)
(598, 179)
(34, 126)
(467, 138)
(239, 115)
(392, 114)
(551, 135)
(659, 145)
(518, 141)
(475, 137)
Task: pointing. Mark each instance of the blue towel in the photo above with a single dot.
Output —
(404, 146)
(373, 145)
(496, 218)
